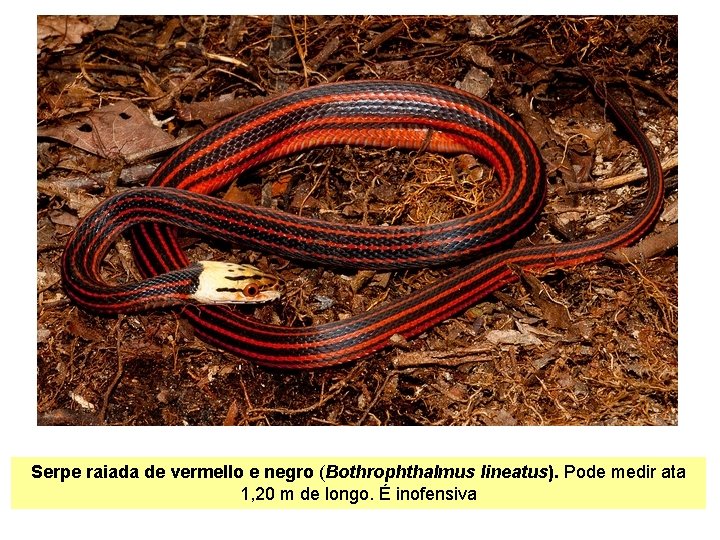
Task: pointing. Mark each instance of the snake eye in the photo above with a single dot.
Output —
(251, 290)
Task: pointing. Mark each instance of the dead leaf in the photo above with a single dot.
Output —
(211, 112)
(478, 55)
(120, 129)
(66, 219)
(362, 278)
(554, 312)
(78, 328)
(77, 200)
(511, 337)
(476, 82)
(502, 417)
(59, 32)
(232, 414)
(80, 400)
(249, 194)
(281, 186)
(43, 334)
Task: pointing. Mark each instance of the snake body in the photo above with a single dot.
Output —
(365, 113)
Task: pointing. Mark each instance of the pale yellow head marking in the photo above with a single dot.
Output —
(230, 283)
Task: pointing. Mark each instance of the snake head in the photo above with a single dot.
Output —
(230, 283)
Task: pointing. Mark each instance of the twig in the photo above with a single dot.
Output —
(130, 176)
(455, 357)
(609, 183)
(381, 38)
(300, 50)
(376, 398)
(118, 375)
(327, 51)
(144, 154)
(648, 247)
(324, 398)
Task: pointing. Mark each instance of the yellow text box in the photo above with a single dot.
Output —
(345, 483)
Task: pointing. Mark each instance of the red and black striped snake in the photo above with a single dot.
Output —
(367, 113)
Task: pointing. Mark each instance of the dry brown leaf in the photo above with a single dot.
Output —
(511, 337)
(58, 32)
(77, 200)
(554, 312)
(211, 112)
(476, 81)
(249, 194)
(232, 414)
(78, 328)
(66, 219)
(117, 130)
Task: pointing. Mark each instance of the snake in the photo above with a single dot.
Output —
(411, 116)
